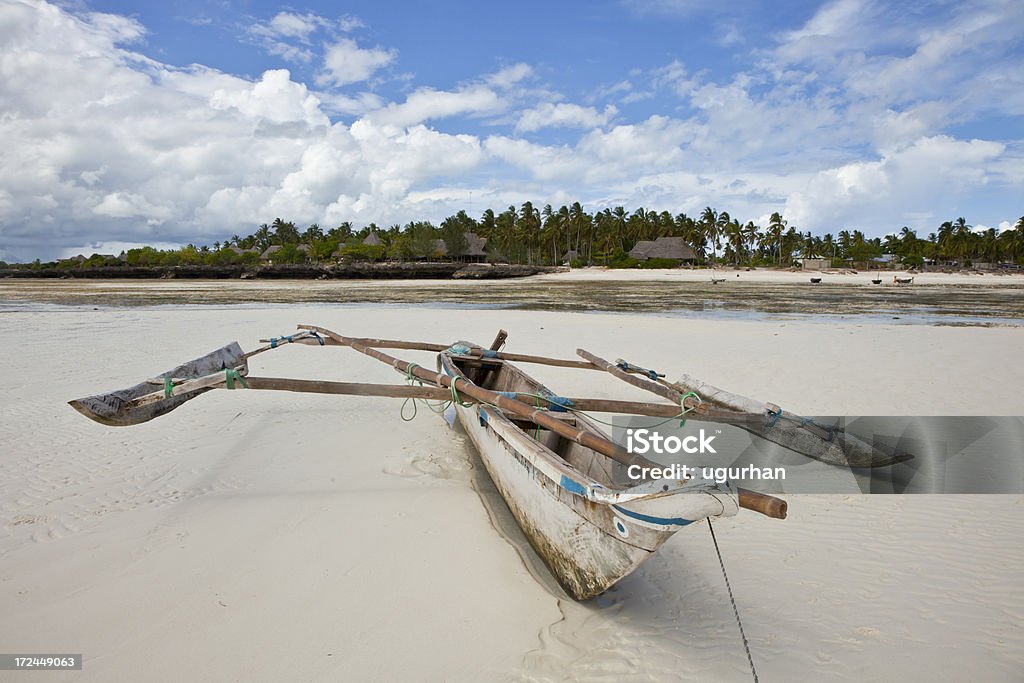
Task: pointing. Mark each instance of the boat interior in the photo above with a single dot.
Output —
(497, 375)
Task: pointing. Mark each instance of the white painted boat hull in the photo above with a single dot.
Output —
(590, 536)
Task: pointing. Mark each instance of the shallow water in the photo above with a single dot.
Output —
(920, 304)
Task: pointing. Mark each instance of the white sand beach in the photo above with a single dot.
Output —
(265, 537)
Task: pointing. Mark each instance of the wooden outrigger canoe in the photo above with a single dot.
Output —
(586, 518)
(565, 481)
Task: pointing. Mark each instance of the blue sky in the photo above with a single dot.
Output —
(164, 123)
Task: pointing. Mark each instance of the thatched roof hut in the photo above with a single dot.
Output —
(476, 245)
(475, 248)
(674, 248)
(269, 253)
(372, 240)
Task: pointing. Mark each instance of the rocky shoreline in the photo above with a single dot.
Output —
(352, 271)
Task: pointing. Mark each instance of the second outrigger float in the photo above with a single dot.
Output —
(563, 479)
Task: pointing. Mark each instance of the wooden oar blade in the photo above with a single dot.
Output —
(114, 408)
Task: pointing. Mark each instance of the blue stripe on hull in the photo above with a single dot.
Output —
(573, 486)
(678, 521)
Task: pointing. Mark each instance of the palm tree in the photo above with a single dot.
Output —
(619, 214)
(263, 236)
(776, 226)
(734, 234)
(844, 243)
(751, 236)
(828, 246)
(505, 227)
(709, 224)
(962, 242)
(529, 228)
(578, 220)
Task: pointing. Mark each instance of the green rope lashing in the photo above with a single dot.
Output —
(455, 394)
(412, 380)
(401, 413)
(231, 376)
(682, 406)
(168, 386)
(409, 376)
(459, 350)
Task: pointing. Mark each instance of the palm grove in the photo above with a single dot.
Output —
(549, 236)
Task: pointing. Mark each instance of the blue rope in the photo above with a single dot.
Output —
(559, 404)
(629, 367)
(459, 350)
(489, 353)
(317, 337)
(287, 339)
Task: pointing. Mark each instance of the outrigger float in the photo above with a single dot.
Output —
(563, 479)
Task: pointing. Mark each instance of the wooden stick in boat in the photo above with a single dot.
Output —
(536, 415)
(439, 394)
(428, 346)
(303, 337)
(499, 340)
(767, 505)
(646, 384)
(218, 380)
(374, 343)
(347, 388)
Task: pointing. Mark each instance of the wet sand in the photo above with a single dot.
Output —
(946, 300)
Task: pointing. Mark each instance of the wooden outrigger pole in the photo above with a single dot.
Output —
(751, 500)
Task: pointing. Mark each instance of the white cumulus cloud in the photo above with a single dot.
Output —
(563, 115)
(345, 62)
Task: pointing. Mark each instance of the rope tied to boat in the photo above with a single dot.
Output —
(284, 339)
(456, 400)
(316, 336)
(231, 376)
(683, 410)
(559, 404)
(458, 350)
(735, 610)
(168, 386)
(440, 408)
(626, 366)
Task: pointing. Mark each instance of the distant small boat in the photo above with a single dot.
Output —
(877, 281)
(717, 280)
(902, 280)
(815, 280)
